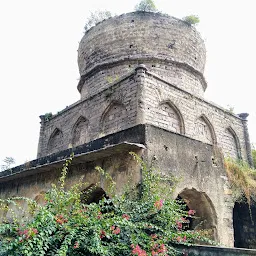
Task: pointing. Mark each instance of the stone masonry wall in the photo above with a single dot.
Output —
(172, 89)
(121, 167)
(200, 179)
(143, 37)
(173, 73)
(109, 111)
(197, 118)
(162, 104)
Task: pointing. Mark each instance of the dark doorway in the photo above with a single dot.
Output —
(244, 219)
(93, 194)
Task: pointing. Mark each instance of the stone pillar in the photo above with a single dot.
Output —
(140, 74)
(244, 116)
(41, 135)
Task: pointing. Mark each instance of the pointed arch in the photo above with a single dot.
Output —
(170, 117)
(205, 213)
(204, 130)
(55, 141)
(114, 117)
(80, 131)
(231, 145)
(40, 198)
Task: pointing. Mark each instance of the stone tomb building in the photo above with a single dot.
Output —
(142, 89)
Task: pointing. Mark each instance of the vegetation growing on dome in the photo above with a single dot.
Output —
(95, 18)
(146, 6)
(192, 19)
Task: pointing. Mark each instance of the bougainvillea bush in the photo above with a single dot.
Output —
(144, 220)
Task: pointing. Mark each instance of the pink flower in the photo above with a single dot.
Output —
(35, 231)
(60, 219)
(178, 239)
(179, 225)
(158, 249)
(159, 204)
(76, 245)
(102, 234)
(191, 212)
(27, 233)
(126, 216)
(138, 251)
(117, 231)
(99, 215)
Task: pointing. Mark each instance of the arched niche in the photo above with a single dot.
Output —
(93, 194)
(56, 140)
(204, 131)
(17, 209)
(169, 117)
(80, 132)
(231, 144)
(114, 118)
(205, 214)
(40, 198)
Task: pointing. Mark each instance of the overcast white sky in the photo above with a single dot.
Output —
(38, 59)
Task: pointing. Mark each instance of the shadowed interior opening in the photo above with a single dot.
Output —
(205, 218)
(244, 225)
(93, 194)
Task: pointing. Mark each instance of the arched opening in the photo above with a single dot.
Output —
(55, 141)
(80, 132)
(204, 131)
(93, 194)
(17, 209)
(205, 218)
(169, 117)
(40, 198)
(244, 225)
(231, 145)
(114, 118)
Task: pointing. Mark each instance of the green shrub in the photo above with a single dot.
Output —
(192, 19)
(254, 158)
(144, 220)
(146, 6)
(242, 179)
(48, 116)
(95, 18)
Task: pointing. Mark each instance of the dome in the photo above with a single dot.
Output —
(141, 36)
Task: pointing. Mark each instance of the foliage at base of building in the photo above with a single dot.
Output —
(144, 220)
